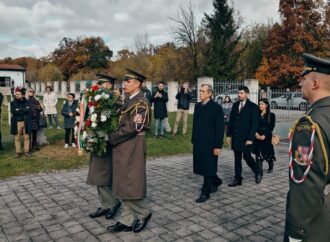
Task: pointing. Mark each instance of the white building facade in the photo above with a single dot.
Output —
(12, 75)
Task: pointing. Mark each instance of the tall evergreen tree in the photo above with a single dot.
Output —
(223, 49)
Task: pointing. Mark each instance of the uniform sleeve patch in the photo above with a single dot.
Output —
(301, 155)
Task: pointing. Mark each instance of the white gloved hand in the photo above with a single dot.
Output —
(294, 240)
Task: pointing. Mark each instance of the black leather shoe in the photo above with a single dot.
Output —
(112, 212)
(140, 224)
(98, 213)
(202, 198)
(214, 188)
(258, 178)
(119, 227)
(270, 169)
(235, 183)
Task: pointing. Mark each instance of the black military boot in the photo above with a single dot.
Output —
(259, 166)
(270, 165)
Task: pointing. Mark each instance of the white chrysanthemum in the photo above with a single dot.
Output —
(105, 96)
(103, 118)
(91, 109)
(94, 125)
(84, 135)
(97, 97)
(94, 117)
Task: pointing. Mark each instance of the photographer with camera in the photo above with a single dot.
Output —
(160, 98)
(183, 97)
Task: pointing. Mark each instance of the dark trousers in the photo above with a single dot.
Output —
(33, 138)
(238, 163)
(210, 181)
(67, 135)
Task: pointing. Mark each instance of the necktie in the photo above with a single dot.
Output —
(241, 107)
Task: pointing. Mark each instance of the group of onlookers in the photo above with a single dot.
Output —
(29, 118)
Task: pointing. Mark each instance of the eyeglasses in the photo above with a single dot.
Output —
(31, 91)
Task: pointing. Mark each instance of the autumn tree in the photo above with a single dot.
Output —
(303, 28)
(74, 55)
(223, 50)
(50, 73)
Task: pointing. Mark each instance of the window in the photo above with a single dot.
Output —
(4, 81)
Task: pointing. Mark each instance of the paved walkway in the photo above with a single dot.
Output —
(55, 207)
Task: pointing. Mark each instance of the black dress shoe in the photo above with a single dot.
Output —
(258, 178)
(98, 213)
(235, 183)
(214, 187)
(119, 227)
(140, 224)
(113, 211)
(202, 198)
(270, 170)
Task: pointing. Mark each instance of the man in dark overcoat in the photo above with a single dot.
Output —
(308, 200)
(160, 98)
(129, 158)
(207, 139)
(100, 169)
(241, 131)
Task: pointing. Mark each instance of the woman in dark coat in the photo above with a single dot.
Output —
(207, 139)
(68, 112)
(160, 98)
(264, 148)
(35, 116)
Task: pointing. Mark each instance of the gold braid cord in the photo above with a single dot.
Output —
(134, 108)
(319, 134)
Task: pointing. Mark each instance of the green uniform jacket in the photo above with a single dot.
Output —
(308, 208)
(129, 149)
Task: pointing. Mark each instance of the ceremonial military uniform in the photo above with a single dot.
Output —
(100, 175)
(129, 162)
(308, 207)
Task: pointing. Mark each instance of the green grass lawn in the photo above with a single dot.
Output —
(55, 157)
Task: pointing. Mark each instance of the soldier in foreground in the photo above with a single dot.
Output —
(129, 158)
(308, 207)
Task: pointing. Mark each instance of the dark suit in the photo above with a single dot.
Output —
(242, 127)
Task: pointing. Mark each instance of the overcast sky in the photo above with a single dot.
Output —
(35, 27)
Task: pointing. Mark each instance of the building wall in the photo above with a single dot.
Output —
(17, 76)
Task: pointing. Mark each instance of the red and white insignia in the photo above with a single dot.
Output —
(301, 155)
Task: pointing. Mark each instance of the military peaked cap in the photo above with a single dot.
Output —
(105, 78)
(317, 64)
(130, 74)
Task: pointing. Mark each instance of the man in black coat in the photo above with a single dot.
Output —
(160, 98)
(20, 122)
(207, 139)
(241, 131)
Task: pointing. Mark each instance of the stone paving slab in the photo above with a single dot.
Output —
(55, 206)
